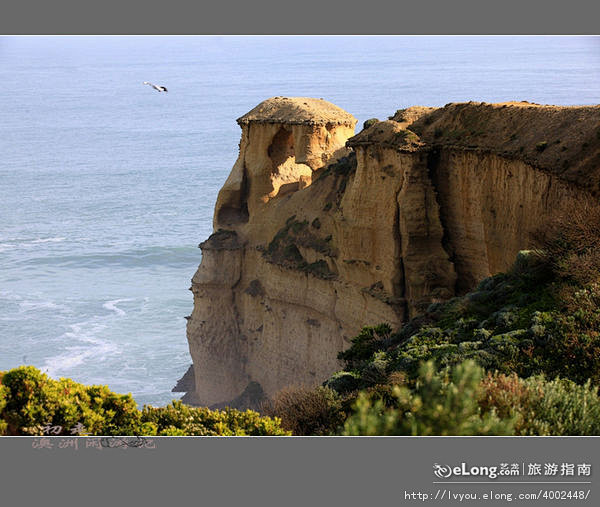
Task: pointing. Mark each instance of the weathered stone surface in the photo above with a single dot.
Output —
(298, 111)
(316, 239)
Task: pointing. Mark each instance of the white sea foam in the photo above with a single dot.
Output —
(91, 349)
(48, 240)
(27, 306)
(55, 366)
(112, 305)
(11, 244)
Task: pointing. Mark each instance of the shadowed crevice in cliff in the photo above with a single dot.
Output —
(281, 148)
(235, 213)
(433, 166)
(399, 280)
(429, 274)
(287, 174)
(251, 398)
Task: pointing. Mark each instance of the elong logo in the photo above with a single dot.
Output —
(446, 471)
(442, 471)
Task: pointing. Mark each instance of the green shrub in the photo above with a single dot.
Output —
(344, 382)
(460, 401)
(3, 392)
(369, 123)
(437, 405)
(31, 403)
(541, 407)
(34, 400)
(283, 249)
(370, 340)
(179, 419)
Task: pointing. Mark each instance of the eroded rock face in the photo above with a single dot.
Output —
(283, 142)
(319, 234)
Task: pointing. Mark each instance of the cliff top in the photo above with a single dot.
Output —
(298, 111)
(564, 140)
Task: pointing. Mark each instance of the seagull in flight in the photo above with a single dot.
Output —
(156, 87)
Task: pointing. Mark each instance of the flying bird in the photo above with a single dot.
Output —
(156, 87)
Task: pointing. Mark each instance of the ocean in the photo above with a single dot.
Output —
(107, 186)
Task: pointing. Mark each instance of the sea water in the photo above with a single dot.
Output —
(107, 186)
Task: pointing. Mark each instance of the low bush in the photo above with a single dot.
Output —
(462, 401)
(306, 411)
(541, 407)
(570, 243)
(33, 400)
(179, 419)
(369, 123)
(31, 403)
(439, 404)
(370, 340)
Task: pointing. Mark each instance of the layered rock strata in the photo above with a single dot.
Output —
(319, 233)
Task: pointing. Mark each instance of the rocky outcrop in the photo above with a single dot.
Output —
(319, 232)
(283, 142)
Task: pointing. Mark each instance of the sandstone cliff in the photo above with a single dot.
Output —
(318, 233)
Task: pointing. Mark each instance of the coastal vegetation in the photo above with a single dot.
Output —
(519, 355)
(31, 403)
(284, 250)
